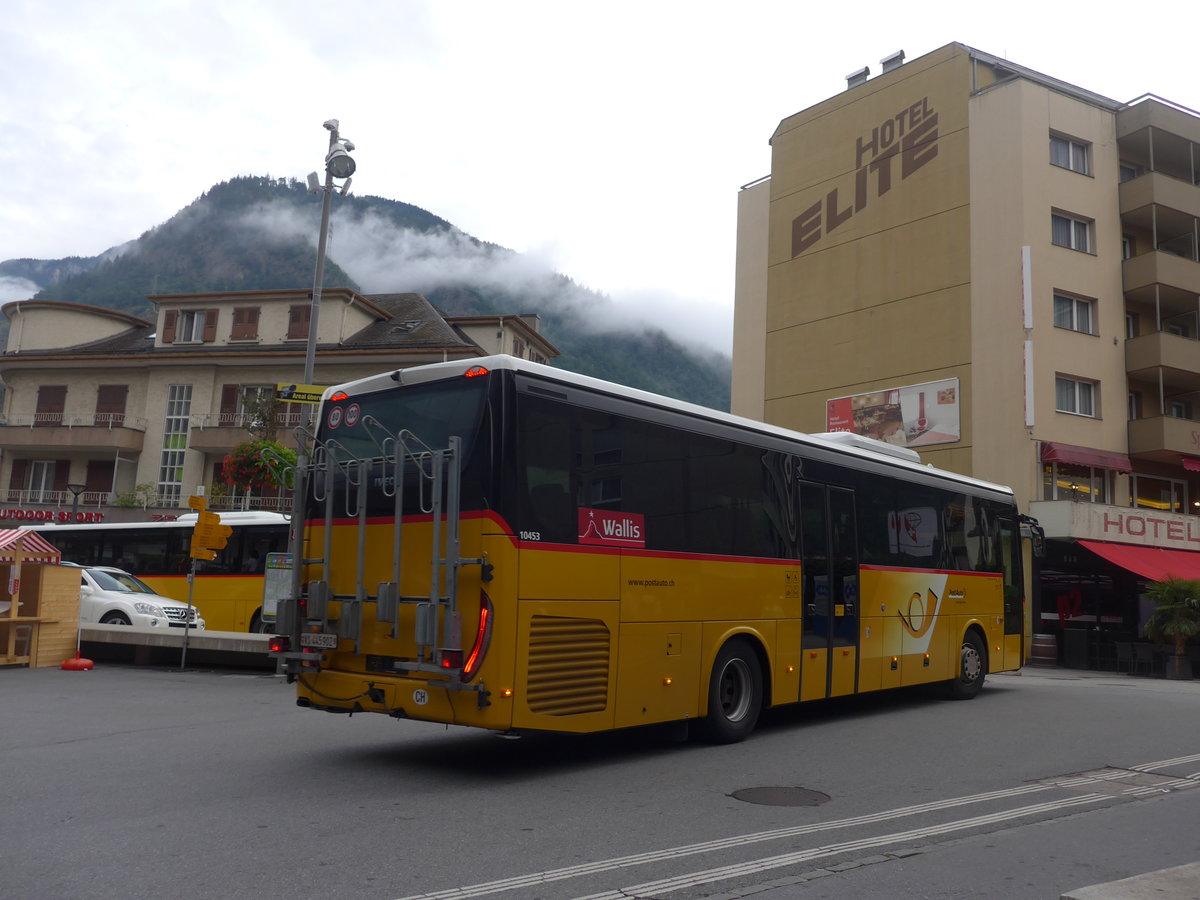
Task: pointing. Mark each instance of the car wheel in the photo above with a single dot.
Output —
(115, 618)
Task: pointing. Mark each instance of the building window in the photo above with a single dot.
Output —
(298, 317)
(110, 404)
(1074, 313)
(1128, 246)
(1067, 481)
(1070, 232)
(1162, 494)
(41, 483)
(1070, 154)
(1179, 409)
(1129, 171)
(1072, 395)
(1135, 405)
(1131, 325)
(245, 324)
(174, 448)
(51, 401)
(189, 326)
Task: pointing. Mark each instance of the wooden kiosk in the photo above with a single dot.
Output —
(39, 601)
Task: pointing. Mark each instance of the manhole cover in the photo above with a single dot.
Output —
(781, 796)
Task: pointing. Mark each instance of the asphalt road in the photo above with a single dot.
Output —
(130, 782)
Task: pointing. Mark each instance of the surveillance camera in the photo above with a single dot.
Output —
(331, 124)
(349, 145)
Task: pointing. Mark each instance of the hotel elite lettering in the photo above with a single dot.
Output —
(910, 136)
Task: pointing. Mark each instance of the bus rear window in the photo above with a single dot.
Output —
(431, 412)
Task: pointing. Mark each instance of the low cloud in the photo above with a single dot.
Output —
(12, 288)
(384, 258)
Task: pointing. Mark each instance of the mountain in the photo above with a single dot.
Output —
(259, 233)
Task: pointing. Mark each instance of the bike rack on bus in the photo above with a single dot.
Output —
(438, 626)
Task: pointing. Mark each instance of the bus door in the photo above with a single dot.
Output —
(829, 592)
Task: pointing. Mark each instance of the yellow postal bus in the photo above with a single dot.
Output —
(502, 544)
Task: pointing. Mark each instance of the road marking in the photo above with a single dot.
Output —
(624, 862)
(754, 866)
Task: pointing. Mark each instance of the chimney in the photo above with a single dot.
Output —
(894, 61)
(854, 79)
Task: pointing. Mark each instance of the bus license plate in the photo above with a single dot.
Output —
(322, 641)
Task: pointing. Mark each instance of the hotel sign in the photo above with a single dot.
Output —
(892, 150)
(1118, 524)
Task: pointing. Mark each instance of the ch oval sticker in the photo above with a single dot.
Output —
(420, 696)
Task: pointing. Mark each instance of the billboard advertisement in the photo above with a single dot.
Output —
(915, 416)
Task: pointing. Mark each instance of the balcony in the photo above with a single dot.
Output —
(222, 432)
(1164, 439)
(1155, 189)
(88, 432)
(1141, 273)
(1170, 357)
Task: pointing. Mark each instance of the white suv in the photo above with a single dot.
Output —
(112, 596)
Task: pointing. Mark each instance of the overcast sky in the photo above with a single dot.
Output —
(609, 139)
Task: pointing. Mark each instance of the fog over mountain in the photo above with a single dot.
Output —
(254, 233)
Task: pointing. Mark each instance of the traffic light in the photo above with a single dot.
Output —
(209, 535)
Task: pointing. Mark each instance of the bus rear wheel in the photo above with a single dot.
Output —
(735, 694)
(972, 667)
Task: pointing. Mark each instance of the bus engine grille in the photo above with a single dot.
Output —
(568, 666)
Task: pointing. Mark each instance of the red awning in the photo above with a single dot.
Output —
(1191, 463)
(32, 546)
(1052, 451)
(1154, 563)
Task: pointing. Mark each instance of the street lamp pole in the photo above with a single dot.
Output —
(76, 490)
(338, 164)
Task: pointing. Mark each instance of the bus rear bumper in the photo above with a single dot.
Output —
(401, 697)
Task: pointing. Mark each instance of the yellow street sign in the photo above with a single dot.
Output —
(298, 393)
(209, 535)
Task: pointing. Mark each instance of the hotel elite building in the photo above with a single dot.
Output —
(999, 270)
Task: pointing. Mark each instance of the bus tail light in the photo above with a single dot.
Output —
(475, 372)
(483, 637)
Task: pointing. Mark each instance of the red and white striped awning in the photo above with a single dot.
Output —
(31, 546)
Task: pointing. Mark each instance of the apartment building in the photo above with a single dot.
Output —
(111, 417)
(999, 270)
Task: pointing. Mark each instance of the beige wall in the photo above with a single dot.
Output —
(1014, 189)
(44, 329)
(750, 302)
(878, 295)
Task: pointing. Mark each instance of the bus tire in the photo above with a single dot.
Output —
(256, 623)
(735, 694)
(972, 667)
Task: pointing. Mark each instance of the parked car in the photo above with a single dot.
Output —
(111, 596)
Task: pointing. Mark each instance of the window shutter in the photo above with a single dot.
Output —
(99, 478)
(62, 474)
(16, 480)
(51, 401)
(110, 404)
(245, 323)
(229, 405)
(210, 325)
(170, 318)
(298, 317)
